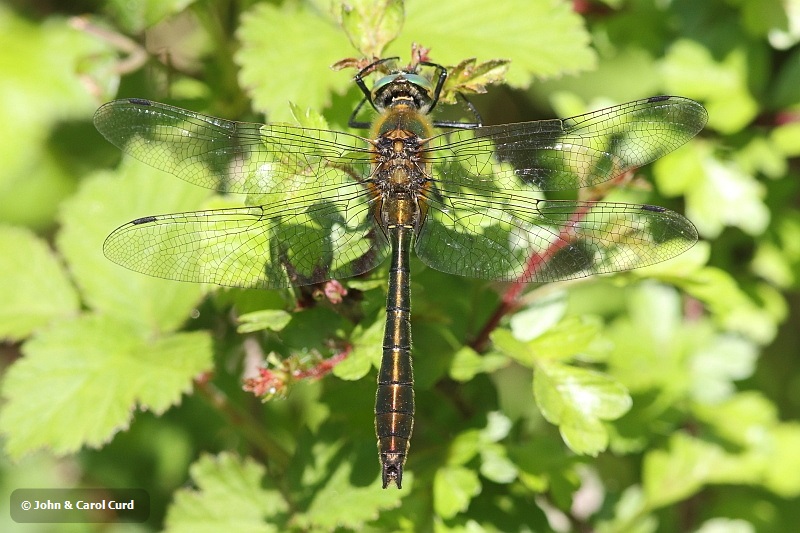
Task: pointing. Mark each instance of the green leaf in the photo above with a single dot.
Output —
(787, 138)
(729, 305)
(44, 85)
(34, 286)
(367, 345)
(673, 475)
(468, 444)
(719, 192)
(271, 319)
(568, 338)
(544, 39)
(497, 427)
(576, 400)
(691, 70)
(680, 171)
(782, 458)
(308, 118)
(540, 316)
(726, 525)
(472, 78)
(104, 202)
(371, 25)
(630, 514)
(741, 204)
(495, 464)
(453, 489)
(769, 451)
(285, 55)
(544, 462)
(137, 16)
(464, 447)
(340, 503)
(783, 38)
(750, 421)
(507, 344)
(760, 17)
(720, 362)
(762, 155)
(742, 419)
(689, 463)
(656, 350)
(228, 495)
(784, 93)
(80, 382)
(467, 363)
(778, 259)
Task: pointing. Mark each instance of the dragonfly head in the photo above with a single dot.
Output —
(403, 87)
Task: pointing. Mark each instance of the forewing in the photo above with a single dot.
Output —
(571, 153)
(230, 156)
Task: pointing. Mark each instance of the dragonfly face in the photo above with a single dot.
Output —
(323, 204)
(390, 90)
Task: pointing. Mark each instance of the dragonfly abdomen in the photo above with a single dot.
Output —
(394, 402)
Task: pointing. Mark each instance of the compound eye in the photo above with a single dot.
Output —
(422, 83)
(380, 85)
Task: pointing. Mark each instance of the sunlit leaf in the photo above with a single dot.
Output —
(370, 25)
(467, 363)
(731, 306)
(505, 342)
(726, 525)
(691, 70)
(104, 202)
(98, 365)
(630, 514)
(783, 459)
(464, 447)
(540, 316)
(727, 358)
(340, 503)
(674, 474)
(39, 90)
(137, 16)
(542, 38)
(453, 489)
(565, 340)
(35, 287)
(470, 78)
(727, 197)
(228, 495)
(496, 466)
(272, 319)
(277, 67)
(367, 340)
(576, 400)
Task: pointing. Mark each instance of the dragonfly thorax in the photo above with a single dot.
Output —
(399, 166)
(400, 176)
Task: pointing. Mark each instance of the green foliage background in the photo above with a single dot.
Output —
(663, 399)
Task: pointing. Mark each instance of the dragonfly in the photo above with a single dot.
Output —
(468, 199)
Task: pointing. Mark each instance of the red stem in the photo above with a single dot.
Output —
(535, 262)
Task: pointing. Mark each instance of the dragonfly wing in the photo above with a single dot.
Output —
(229, 156)
(268, 247)
(571, 153)
(509, 237)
